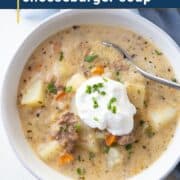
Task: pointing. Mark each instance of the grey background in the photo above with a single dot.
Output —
(167, 19)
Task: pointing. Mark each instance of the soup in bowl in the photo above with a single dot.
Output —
(83, 108)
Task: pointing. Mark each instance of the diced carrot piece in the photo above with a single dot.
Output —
(60, 95)
(98, 70)
(66, 159)
(110, 139)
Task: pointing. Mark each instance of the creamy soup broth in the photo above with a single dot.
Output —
(79, 50)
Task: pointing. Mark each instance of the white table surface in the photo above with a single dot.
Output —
(11, 35)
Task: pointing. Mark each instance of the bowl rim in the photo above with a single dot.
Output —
(40, 25)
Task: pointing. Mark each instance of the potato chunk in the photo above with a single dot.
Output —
(49, 151)
(76, 80)
(88, 140)
(92, 144)
(34, 96)
(114, 157)
(63, 69)
(136, 94)
(160, 116)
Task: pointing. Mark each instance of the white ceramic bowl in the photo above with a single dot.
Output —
(10, 116)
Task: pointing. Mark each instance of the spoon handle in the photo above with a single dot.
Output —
(158, 79)
(144, 73)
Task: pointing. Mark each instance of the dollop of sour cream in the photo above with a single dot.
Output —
(103, 103)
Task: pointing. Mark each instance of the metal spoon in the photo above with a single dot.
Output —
(144, 73)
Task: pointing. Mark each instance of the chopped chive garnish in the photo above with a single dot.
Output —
(158, 52)
(113, 100)
(149, 132)
(52, 88)
(103, 93)
(77, 127)
(88, 89)
(95, 103)
(114, 109)
(91, 155)
(100, 85)
(90, 58)
(110, 105)
(128, 147)
(95, 88)
(145, 104)
(117, 76)
(106, 149)
(61, 56)
(79, 158)
(80, 171)
(105, 80)
(96, 119)
(174, 80)
(68, 89)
